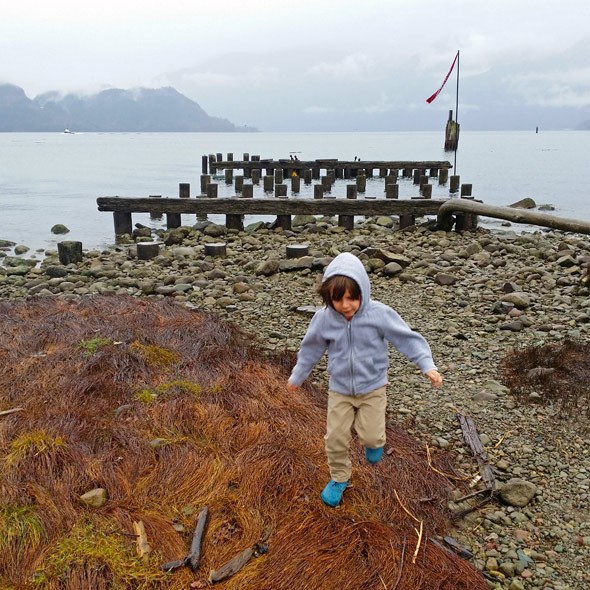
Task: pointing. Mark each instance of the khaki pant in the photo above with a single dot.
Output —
(366, 413)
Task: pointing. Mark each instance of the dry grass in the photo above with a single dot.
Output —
(558, 373)
(171, 410)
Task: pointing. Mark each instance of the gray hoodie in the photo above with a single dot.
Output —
(357, 349)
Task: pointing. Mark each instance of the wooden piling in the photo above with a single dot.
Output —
(406, 220)
(147, 250)
(295, 184)
(297, 250)
(318, 191)
(204, 165)
(454, 183)
(466, 190)
(184, 190)
(361, 183)
(238, 183)
(205, 180)
(155, 216)
(280, 190)
(69, 252)
(174, 220)
(215, 249)
(443, 176)
(212, 190)
(255, 176)
(229, 175)
(307, 176)
(279, 177)
(327, 184)
(391, 191)
(247, 191)
(123, 223)
(426, 191)
(351, 191)
(268, 183)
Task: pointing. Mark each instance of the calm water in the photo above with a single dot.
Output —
(49, 178)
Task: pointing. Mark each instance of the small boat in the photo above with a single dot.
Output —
(68, 131)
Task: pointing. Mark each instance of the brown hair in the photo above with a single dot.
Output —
(334, 289)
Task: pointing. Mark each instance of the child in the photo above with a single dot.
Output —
(355, 330)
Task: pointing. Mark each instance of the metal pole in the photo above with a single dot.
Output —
(457, 114)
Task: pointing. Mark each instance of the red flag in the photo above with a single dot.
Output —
(431, 98)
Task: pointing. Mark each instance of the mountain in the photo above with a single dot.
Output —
(142, 109)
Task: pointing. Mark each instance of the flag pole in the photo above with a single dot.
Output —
(457, 113)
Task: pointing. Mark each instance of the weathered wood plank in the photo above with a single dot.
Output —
(334, 164)
(240, 206)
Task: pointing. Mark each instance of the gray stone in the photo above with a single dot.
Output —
(59, 228)
(95, 498)
(517, 492)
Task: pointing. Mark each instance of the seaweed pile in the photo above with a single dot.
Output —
(167, 411)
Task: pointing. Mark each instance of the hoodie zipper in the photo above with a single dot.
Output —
(350, 356)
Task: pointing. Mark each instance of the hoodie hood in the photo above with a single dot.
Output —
(350, 266)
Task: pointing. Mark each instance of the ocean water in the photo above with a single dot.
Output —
(49, 178)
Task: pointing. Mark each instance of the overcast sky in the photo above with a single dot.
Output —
(273, 64)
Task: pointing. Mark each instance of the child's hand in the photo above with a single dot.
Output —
(292, 388)
(435, 377)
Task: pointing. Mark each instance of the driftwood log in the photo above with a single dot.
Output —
(194, 557)
(142, 545)
(235, 564)
(472, 439)
(445, 218)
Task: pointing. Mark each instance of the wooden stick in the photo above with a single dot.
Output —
(472, 439)
(195, 553)
(11, 411)
(143, 547)
(233, 566)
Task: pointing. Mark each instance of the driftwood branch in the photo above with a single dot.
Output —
(195, 553)
(233, 566)
(445, 216)
(142, 546)
(472, 439)
(11, 411)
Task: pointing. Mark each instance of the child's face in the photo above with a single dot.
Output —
(347, 306)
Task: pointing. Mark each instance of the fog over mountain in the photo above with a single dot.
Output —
(142, 109)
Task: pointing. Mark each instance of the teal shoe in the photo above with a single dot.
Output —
(373, 455)
(332, 493)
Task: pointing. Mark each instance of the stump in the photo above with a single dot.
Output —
(297, 250)
(147, 250)
(215, 249)
(69, 252)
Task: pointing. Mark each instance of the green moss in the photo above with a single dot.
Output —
(92, 548)
(91, 346)
(155, 355)
(37, 442)
(167, 389)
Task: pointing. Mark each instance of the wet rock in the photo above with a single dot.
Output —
(517, 492)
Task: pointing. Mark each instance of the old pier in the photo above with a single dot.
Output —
(287, 187)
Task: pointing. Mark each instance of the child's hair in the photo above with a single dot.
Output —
(334, 289)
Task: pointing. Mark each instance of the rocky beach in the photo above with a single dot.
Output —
(478, 297)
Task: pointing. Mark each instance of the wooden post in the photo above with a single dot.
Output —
(369, 172)
(315, 172)
(205, 180)
(155, 216)
(69, 252)
(219, 157)
(247, 191)
(382, 172)
(230, 157)
(466, 190)
(318, 191)
(229, 176)
(184, 190)
(327, 184)
(247, 170)
(255, 176)
(433, 172)
(426, 191)
(279, 176)
(215, 249)
(394, 173)
(443, 176)
(417, 174)
(280, 190)
(212, 190)
(297, 250)
(147, 250)
(361, 183)
(283, 221)
(307, 176)
(204, 167)
(234, 221)
(351, 191)
(174, 219)
(391, 191)
(123, 223)
(238, 183)
(268, 183)
(295, 184)
(406, 220)
(390, 180)
(346, 221)
(455, 180)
